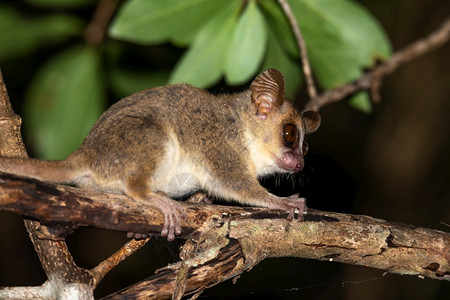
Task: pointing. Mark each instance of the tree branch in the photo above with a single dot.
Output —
(311, 87)
(94, 33)
(64, 276)
(60, 263)
(108, 264)
(224, 241)
(360, 240)
(372, 79)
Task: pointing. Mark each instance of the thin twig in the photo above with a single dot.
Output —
(311, 88)
(367, 81)
(108, 264)
(96, 29)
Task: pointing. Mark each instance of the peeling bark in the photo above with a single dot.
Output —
(225, 241)
(358, 240)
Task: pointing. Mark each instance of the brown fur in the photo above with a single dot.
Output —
(151, 141)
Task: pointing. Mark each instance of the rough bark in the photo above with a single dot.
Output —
(225, 241)
(54, 255)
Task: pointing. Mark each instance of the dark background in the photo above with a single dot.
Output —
(393, 164)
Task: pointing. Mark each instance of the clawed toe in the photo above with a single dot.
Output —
(172, 224)
(295, 203)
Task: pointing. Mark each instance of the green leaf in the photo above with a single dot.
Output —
(156, 21)
(247, 47)
(194, 18)
(279, 24)
(342, 39)
(21, 35)
(361, 101)
(202, 64)
(277, 58)
(63, 102)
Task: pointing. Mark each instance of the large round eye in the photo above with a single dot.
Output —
(290, 135)
(304, 148)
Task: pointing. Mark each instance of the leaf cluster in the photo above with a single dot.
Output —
(221, 39)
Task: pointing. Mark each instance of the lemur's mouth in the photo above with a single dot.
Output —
(290, 161)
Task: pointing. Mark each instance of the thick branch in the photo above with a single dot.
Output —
(371, 80)
(64, 276)
(59, 203)
(227, 264)
(336, 237)
(259, 233)
(54, 255)
(50, 290)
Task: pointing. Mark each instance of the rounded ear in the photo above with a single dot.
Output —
(311, 119)
(267, 92)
